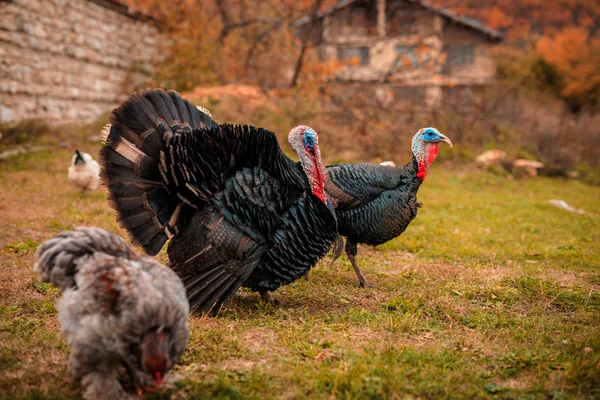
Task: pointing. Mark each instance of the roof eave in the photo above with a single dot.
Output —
(320, 14)
(490, 33)
(467, 22)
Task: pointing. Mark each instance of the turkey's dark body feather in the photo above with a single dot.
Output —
(237, 209)
(373, 203)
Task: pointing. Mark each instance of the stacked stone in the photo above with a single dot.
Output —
(70, 60)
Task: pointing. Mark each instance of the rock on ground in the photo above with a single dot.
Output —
(490, 158)
(527, 168)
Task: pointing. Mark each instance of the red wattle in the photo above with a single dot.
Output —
(321, 195)
(422, 172)
(317, 178)
(431, 152)
(318, 185)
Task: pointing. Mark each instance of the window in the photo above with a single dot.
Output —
(459, 55)
(406, 55)
(411, 56)
(350, 53)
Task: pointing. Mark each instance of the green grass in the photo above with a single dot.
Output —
(491, 292)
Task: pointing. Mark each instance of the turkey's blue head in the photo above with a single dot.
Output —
(425, 148)
(305, 142)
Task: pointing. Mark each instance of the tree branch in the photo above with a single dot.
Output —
(305, 42)
(229, 25)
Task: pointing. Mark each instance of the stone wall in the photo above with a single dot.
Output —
(70, 60)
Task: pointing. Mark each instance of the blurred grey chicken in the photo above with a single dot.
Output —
(118, 308)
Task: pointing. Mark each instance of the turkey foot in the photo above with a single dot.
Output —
(307, 276)
(267, 298)
(351, 251)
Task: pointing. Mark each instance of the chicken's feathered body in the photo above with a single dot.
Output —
(84, 172)
(237, 209)
(376, 203)
(113, 300)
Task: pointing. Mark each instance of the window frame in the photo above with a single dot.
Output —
(460, 55)
(344, 56)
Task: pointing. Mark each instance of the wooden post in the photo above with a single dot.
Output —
(381, 18)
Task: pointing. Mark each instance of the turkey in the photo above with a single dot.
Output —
(84, 172)
(118, 308)
(236, 210)
(375, 203)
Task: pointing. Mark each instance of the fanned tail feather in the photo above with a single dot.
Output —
(140, 130)
(209, 278)
(209, 289)
(338, 248)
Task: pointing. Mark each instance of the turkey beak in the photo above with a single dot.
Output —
(444, 138)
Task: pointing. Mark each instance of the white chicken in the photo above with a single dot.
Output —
(84, 172)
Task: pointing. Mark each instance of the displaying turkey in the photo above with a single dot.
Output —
(375, 203)
(84, 172)
(117, 308)
(237, 210)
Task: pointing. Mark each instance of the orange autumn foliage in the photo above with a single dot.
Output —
(497, 19)
(576, 59)
(228, 41)
(519, 18)
(216, 42)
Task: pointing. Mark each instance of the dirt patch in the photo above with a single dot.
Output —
(260, 339)
(395, 262)
(567, 279)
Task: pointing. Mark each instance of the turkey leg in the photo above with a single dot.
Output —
(351, 251)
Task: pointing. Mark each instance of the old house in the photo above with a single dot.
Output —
(420, 51)
(71, 60)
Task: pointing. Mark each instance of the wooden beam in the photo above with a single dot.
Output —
(381, 18)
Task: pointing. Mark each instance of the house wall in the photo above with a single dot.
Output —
(482, 70)
(69, 60)
(409, 19)
(354, 22)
